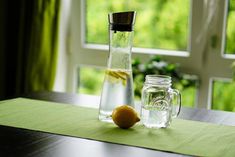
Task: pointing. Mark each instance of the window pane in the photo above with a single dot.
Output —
(230, 34)
(189, 96)
(223, 95)
(91, 81)
(159, 24)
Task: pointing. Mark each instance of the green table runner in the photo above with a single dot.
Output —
(183, 136)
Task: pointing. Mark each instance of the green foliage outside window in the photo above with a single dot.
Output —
(223, 96)
(91, 80)
(161, 24)
(230, 31)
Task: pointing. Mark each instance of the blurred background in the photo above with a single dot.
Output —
(62, 45)
(162, 25)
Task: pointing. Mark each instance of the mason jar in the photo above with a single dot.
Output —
(159, 101)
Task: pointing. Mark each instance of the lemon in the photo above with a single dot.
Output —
(125, 116)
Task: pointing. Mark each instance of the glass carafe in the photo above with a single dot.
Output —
(118, 82)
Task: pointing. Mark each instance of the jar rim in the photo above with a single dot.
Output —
(158, 79)
(158, 76)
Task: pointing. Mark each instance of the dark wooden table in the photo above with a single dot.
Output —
(16, 142)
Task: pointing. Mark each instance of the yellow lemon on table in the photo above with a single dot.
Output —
(125, 116)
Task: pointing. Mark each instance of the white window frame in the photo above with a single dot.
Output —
(203, 60)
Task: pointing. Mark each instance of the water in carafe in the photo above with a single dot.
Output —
(118, 81)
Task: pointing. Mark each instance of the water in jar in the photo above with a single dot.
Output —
(156, 108)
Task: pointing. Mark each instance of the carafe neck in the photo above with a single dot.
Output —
(120, 41)
(120, 44)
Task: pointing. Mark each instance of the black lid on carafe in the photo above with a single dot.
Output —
(122, 21)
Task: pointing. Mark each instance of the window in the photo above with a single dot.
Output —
(91, 80)
(159, 24)
(203, 39)
(223, 95)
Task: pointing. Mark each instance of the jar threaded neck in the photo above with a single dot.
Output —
(162, 80)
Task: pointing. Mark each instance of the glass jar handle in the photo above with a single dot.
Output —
(176, 107)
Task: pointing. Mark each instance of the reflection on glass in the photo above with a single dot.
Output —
(160, 24)
(223, 95)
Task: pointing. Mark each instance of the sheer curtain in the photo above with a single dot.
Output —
(29, 46)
